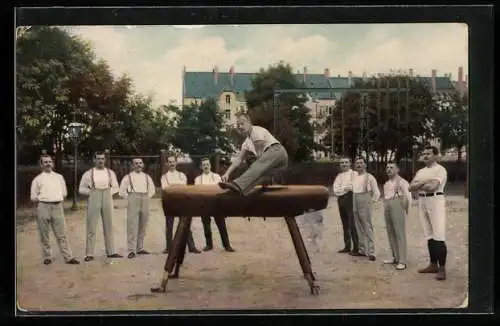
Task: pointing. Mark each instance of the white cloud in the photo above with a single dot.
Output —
(422, 48)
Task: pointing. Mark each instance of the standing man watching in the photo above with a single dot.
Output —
(271, 157)
(174, 177)
(429, 183)
(396, 205)
(48, 191)
(137, 187)
(99, 184)
(365, 194)
(342, 189)
(207, 177)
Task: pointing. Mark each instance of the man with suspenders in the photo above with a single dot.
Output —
(342, 189)
(396, 205)
(99, 184)
(207, 177)
(137, 187)
(174, 177)
(365, 194)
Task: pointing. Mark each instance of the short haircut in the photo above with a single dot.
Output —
(344, 157)
(45, 156)
(137, 158)
(434, 149)
(243, 114)
(98, 153)
(205, 159)
(360, 158)
(393, 163)
(171, 155)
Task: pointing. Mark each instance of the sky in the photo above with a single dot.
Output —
(154, 56)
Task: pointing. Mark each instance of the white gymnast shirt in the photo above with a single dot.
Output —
(261, 135)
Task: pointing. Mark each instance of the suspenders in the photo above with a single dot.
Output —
(166, 177)
(132, 184)
(396, 188)
(92, 181)
(211, 177)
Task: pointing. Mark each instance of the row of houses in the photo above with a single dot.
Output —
(228, 88)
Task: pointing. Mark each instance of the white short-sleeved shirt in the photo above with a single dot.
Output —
(435, 172)
(258, 134)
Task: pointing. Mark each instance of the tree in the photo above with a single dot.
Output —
(294, 129)
(47, 60)
(199, 130)
(450, 121)
(389, 124)
(54, 72)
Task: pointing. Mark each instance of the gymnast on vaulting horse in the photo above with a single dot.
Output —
(272, 157)
(238, 198)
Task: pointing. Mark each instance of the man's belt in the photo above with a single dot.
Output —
(432, 194)
(274, 144)
(51, 202)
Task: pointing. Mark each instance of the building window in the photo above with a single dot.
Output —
(227, 114)
(228, 99)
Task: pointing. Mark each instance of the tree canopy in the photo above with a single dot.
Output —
(293, 127)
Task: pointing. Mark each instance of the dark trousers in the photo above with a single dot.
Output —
(169, 231)
(221, 225)
(347, 218)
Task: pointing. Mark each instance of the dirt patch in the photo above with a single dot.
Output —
(263, 272)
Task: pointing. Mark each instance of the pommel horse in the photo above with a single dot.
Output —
(272, 201)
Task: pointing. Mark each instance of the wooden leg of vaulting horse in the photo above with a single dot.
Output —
(170, 262)
(185, 229)
(302, 254)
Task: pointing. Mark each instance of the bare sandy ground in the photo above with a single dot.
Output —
(263, 272)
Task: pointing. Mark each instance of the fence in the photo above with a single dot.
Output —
(317, 173)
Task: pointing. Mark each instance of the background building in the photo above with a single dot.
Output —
(229, 90)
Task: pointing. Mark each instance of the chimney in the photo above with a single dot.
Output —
(327, 72)
(349, 78)
(305, 74)
(461, 79)
(231, 75)
(216, 74)
(433, 81)
(410, 72)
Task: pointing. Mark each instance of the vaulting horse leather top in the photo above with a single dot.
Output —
(275, 201)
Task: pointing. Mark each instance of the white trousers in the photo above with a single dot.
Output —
(432, 213)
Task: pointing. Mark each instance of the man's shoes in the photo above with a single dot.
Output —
(143, 252)
(194, 251)
(73, 261)
(47, 261)
(208, 248)
(131, 255)
(230, 186)
(345, 250)
(356, 254)
(115, 256)
(165, 251)
(372, 258)
(390, 262)
(441, 274)
(88, 258)
(400, 267)
(229, 249)
(431, 269)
